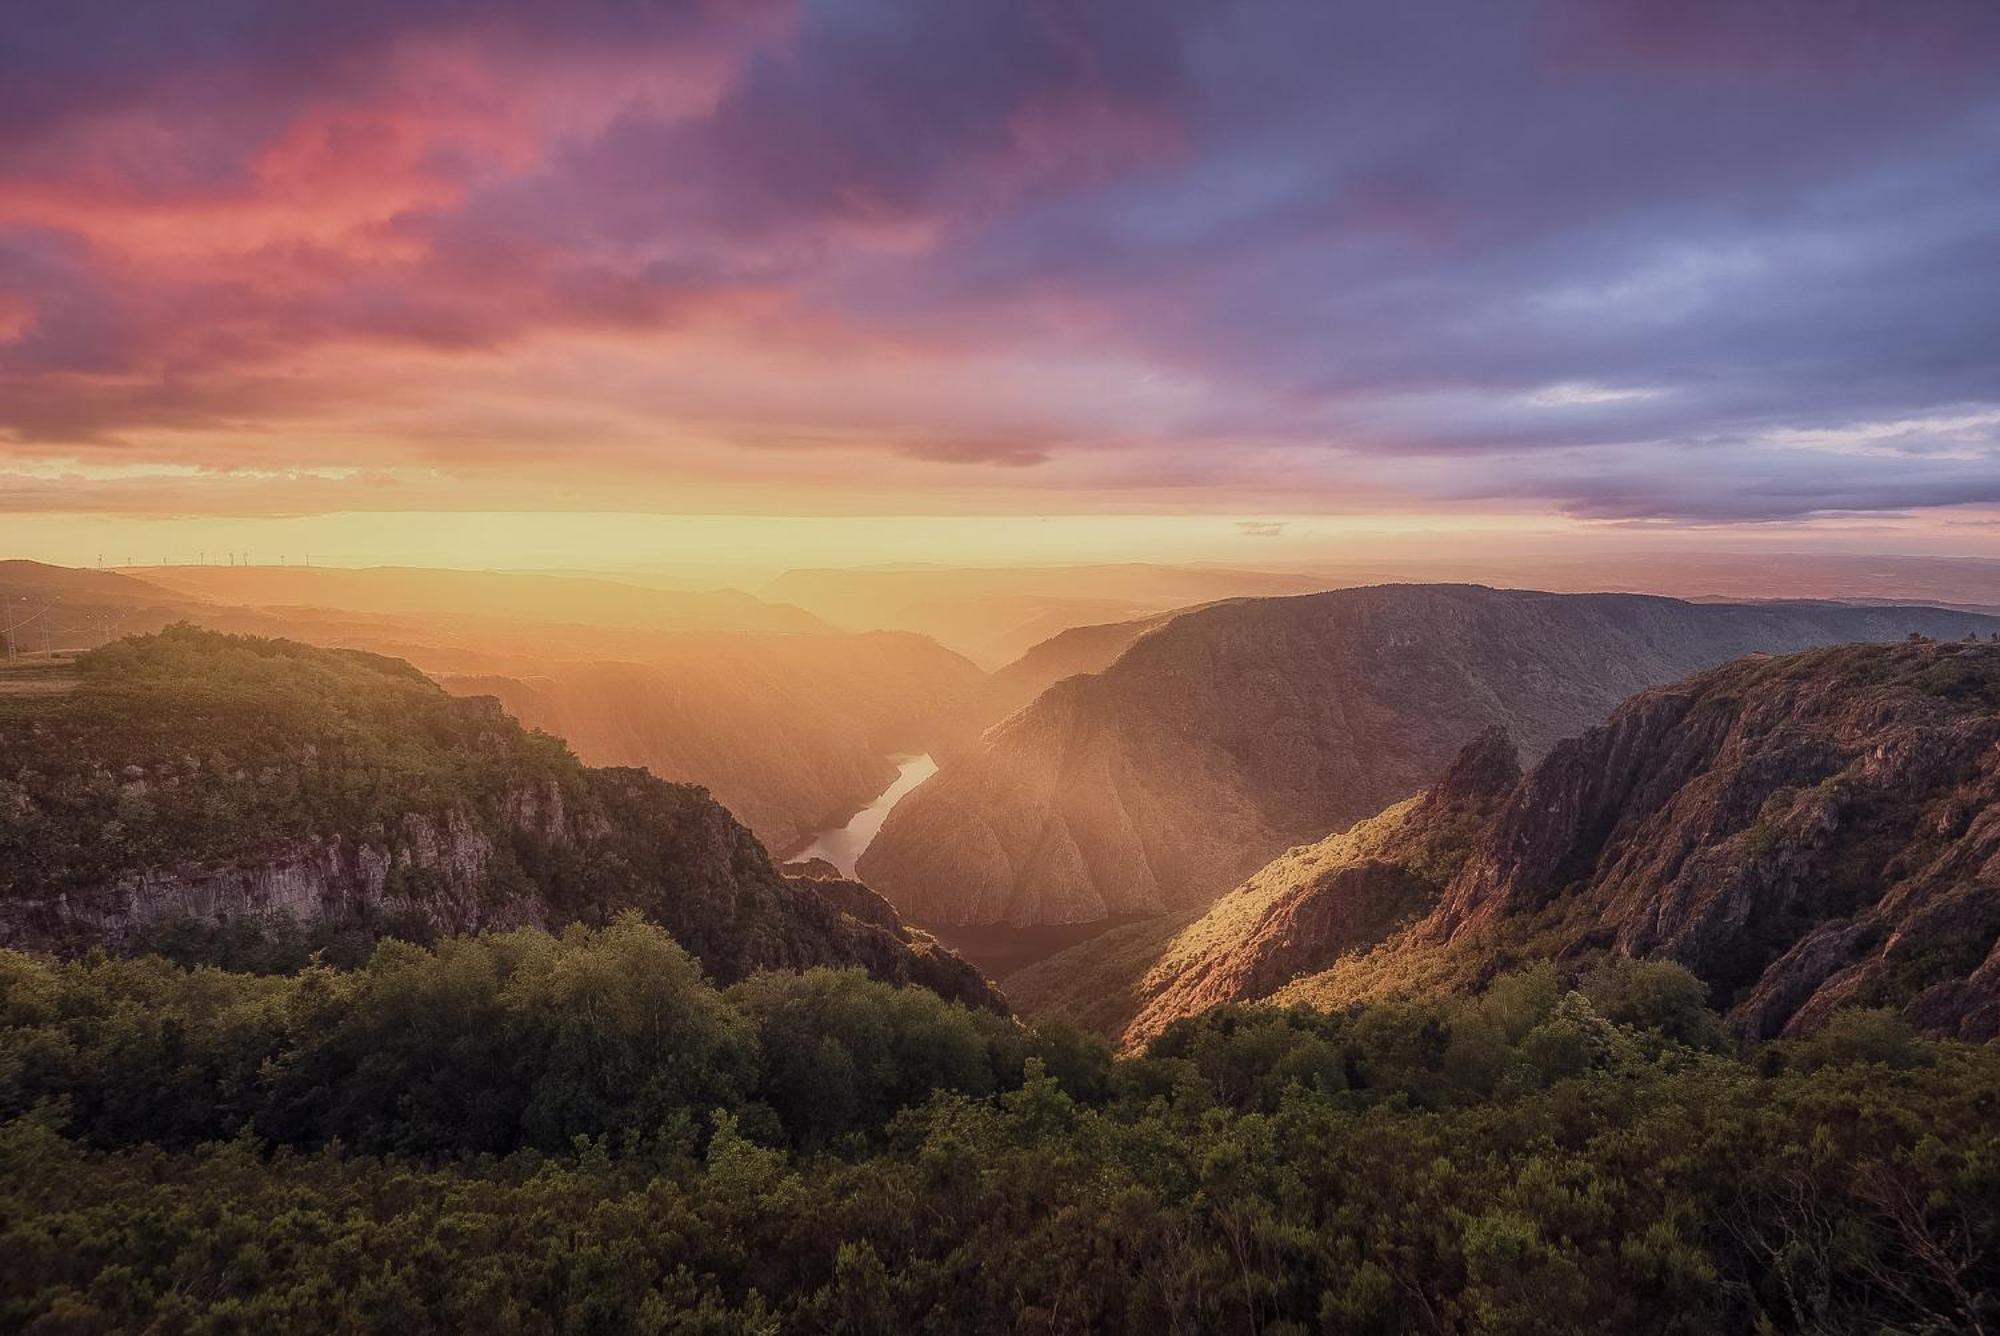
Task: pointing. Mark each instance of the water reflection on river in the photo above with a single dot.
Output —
(842, 847)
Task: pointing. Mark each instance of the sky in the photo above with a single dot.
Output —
(408, 278)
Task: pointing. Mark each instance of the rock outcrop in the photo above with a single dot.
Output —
(1230, 733)
(930, 964)
(1801, 833)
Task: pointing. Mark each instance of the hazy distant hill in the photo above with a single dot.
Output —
(192, 780)
(1803, 833)
(39, 580)
(994, 615)
(1234, 732)
(510, 594)
(1882, 578)
(62, 608)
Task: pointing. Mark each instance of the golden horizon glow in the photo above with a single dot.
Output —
(662, 544)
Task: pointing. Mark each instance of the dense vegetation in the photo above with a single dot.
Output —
(579, 1133)
(189, 745)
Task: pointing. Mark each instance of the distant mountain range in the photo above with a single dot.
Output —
(519, 595)
(1220, 737)
(1801, 831)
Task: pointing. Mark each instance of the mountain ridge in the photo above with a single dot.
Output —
(1232, 732)
(1802, 833)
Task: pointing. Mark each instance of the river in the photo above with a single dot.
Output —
(842, 847)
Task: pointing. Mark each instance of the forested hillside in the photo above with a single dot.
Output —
(350, 1005)
(249, 799)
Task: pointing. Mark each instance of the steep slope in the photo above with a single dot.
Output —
(1236, 731)
(1800, 832)
(57, 608)
(791, 733)
(1080, 649)
(203, 778)
(35, 580)
(1299, 913)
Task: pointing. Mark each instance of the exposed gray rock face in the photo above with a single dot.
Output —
(1230, 733)
(712, 887)
(437, 871)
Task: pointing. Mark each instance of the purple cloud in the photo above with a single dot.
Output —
(1631, 259)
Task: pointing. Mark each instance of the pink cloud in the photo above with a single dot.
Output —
(614, 251)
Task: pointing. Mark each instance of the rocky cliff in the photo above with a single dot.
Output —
(195, 777)
(1233, 732)
(1801, 833)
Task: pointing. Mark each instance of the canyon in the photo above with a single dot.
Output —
(1801, 833)
(1219, 737)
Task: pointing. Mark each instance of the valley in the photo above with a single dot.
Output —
(1800, 832)
(844, 844)
(1217, 738)
(1129, 772)
(458, 913)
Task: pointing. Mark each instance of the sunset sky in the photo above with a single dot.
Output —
(1243, 276)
